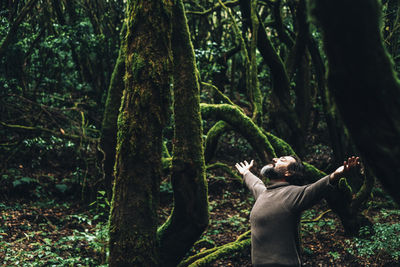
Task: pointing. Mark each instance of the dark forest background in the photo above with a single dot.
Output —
(121, 122)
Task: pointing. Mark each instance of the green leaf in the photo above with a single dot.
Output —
(62, 187)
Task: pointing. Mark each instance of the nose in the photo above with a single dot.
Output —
(274, 160)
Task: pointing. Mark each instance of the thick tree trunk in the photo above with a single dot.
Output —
(362, 80)
(189, 217)
(144, 111)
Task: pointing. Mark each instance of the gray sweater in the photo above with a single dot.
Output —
(275, 219)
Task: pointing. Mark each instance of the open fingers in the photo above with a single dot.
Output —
(351, 163)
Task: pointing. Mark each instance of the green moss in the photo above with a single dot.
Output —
(229, 250)
(312, 172)
(138, 65)
(242, 124)
(213, 136)
(235, 248)
(280, 146)
(133, 219)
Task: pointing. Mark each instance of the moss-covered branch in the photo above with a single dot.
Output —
(206, 257)
(219, 93)
(243, 125)
(213, 136)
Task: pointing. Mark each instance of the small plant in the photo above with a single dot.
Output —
(384, 241)
(102, 205)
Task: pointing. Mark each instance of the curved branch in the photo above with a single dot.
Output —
(242, 124)
(226, 168)
(213, 136)
(219, 93)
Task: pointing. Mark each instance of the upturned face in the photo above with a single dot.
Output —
(281, 164)
(278, 168)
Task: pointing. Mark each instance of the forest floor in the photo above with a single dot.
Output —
(57, 233)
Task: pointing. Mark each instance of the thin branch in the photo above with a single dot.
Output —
(319, 217)
(225, 168)
(214, 8)
(220, 94)
(61, 133)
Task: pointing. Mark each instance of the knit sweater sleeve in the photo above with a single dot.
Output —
(303, 197)
(255, 185)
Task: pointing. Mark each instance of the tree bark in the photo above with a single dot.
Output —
(363, 83)
(144, 112)
(189, 217)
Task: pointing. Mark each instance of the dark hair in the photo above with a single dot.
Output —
(296, 169)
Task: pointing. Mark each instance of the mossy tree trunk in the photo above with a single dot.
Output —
(108, 136)
(363, 83)
(144, 112)
(189, 217)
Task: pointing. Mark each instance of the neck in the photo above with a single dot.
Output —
(278, 180)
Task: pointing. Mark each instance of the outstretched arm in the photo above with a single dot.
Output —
(352, 163)
(255, 185)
